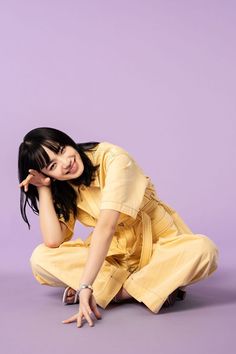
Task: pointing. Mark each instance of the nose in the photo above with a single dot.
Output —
(65, 163)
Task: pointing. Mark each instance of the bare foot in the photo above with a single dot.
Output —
(122, 295)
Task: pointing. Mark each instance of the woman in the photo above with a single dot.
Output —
(140, 248)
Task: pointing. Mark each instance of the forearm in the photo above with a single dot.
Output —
(49, 223)
(100, 243)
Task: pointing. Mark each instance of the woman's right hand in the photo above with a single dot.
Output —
(35, 178)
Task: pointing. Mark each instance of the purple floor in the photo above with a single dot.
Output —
(204, 322)
(157, 78)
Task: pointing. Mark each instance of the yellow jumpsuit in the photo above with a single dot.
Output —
(152, 252)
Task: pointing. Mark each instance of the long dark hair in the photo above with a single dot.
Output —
(33, 156)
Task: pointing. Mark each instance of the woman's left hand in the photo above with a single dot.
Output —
(87, 306)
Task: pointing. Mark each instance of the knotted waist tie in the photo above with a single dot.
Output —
(164, 223)
(147, 235)
(146, 251)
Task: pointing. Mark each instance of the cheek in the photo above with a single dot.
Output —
(55, 173)
(81, 165)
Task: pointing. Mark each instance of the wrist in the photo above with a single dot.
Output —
(44, 188)
(84, 286)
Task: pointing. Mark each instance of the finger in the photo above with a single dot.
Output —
(32, 172)
(29, 177)
(97, 313)
(87, 313)
(21, 183)
(47, 179)
(79, 320)
(71, 319)
(25, 181)
(95, 308)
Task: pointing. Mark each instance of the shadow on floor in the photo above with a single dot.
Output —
(201, 294)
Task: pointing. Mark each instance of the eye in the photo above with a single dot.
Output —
(52, 166)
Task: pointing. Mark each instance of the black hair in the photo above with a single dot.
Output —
(32, 155)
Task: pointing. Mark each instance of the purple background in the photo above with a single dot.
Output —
(157, 78)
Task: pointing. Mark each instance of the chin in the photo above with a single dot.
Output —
(74, 177)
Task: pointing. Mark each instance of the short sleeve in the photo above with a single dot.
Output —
(125, 185)
(70, 226)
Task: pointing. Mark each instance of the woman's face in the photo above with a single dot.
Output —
(65, 165)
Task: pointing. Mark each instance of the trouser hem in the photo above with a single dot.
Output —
(103, 296)
(151, 299)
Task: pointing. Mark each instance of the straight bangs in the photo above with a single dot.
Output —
(37, 158)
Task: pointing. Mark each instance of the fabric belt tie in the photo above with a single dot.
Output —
(146, 251)
(147, 237)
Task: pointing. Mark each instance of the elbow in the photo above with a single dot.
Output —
(54, 240)
(52, 244)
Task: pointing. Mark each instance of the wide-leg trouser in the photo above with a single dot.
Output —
(177, 260)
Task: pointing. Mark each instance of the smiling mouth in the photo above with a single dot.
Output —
(71, 167)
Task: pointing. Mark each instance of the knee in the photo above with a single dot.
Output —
(37, 260)
(37, 256)
(207, 248)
